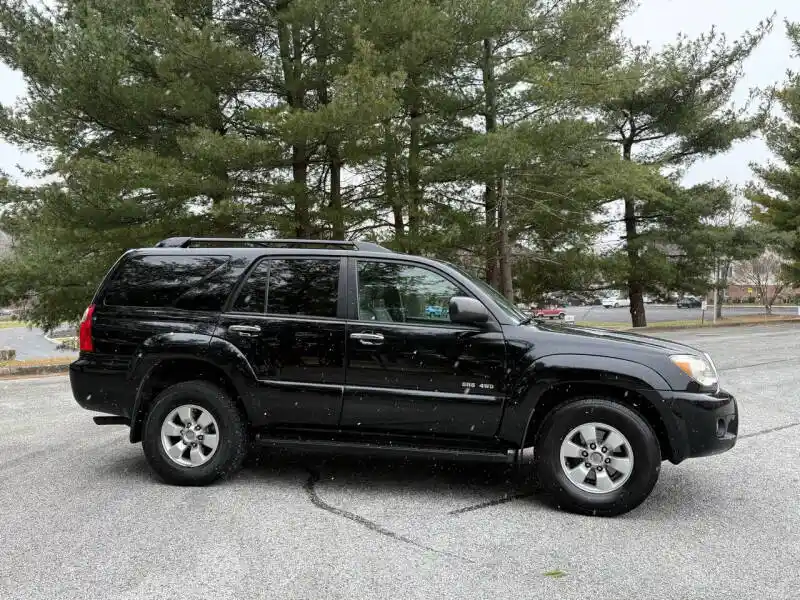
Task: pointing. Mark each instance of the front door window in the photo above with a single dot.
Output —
(393, 292)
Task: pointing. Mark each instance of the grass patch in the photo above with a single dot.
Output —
(66, 343)
(37, 362)
(555, 574)
(13, 324)
(744, 320)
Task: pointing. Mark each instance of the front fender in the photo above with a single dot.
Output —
(218, 354)
(545, 372)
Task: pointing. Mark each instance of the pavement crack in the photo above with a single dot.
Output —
(489, 503)
(759, 364)
(316, 500)
(770, 430)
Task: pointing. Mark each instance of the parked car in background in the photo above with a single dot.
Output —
(689, 302)
(615, 302)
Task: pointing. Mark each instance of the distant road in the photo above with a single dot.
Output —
(659, 313)
(30, 343)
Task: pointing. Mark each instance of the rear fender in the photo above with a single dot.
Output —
(219, 355)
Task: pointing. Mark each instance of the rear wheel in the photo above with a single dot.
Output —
(595, 456)
(194, 434)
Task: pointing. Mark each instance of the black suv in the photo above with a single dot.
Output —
(204, 346)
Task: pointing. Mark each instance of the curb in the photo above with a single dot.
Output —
(32, 370)
(722, 325)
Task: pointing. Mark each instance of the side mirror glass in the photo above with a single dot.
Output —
(467, 311)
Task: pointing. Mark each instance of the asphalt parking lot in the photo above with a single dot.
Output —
(81, 516)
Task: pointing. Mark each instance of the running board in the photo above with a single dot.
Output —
(111, 420)
(510, 456)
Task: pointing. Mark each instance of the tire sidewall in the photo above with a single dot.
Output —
(644, 445)
(229, 431)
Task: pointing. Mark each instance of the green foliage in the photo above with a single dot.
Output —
(665, 110)
(497, 134)
(777, 190)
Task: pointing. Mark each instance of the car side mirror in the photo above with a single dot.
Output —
(467, 311)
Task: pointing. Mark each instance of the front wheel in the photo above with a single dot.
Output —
(194, 434)
(597, 457)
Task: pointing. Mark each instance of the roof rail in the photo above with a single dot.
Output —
(187, 242)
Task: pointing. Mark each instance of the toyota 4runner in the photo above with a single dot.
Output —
(204, 346)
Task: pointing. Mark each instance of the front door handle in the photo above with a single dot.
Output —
(245, 330)
(368, 339)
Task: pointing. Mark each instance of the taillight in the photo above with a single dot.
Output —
(85, 332)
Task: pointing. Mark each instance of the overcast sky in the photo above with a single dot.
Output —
(657, 22)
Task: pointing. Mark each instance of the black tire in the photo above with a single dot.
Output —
(233, 436)
(562, 316)
(554, 482)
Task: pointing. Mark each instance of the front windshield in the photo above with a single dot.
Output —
(503, 302)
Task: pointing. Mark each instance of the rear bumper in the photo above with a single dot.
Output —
(99, 388)
(706, 423)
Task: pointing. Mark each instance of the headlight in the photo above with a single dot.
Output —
(699, 368)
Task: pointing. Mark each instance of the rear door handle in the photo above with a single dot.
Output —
(368, 339)
(245, 330)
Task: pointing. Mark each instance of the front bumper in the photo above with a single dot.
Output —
(706, 423)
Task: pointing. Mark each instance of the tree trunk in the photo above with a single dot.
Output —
(414, 176)
(302, 216)
(332, 146)
(506, 281)
(337, 214)
(492, 257)
(722, 284)
(291, 53)
(494, 238)
(635, 287)
(390, 195)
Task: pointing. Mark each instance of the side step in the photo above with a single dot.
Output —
(110, 420)
(510, 456)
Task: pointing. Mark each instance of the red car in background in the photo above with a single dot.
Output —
(549, 313)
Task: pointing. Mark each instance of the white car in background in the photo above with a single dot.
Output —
(615, 302)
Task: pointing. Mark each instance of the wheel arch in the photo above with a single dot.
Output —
(562, 393)
(551, 380)
(167, 371)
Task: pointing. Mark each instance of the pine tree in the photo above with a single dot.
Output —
(526, 72)
(668, 109)
(777, 191)
(148, 113)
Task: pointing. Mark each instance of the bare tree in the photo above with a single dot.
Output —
(765, 274)
(731, 237)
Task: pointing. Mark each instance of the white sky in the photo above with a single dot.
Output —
(657, 22)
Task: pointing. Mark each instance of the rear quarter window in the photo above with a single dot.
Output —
(194, 282)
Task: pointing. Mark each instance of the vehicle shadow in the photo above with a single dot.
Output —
(464, 486)
(447, 488)
(457, 487)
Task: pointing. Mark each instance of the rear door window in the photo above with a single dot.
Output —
(297, 287)
(163, 281)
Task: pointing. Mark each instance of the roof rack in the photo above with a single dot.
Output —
(187, 242)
